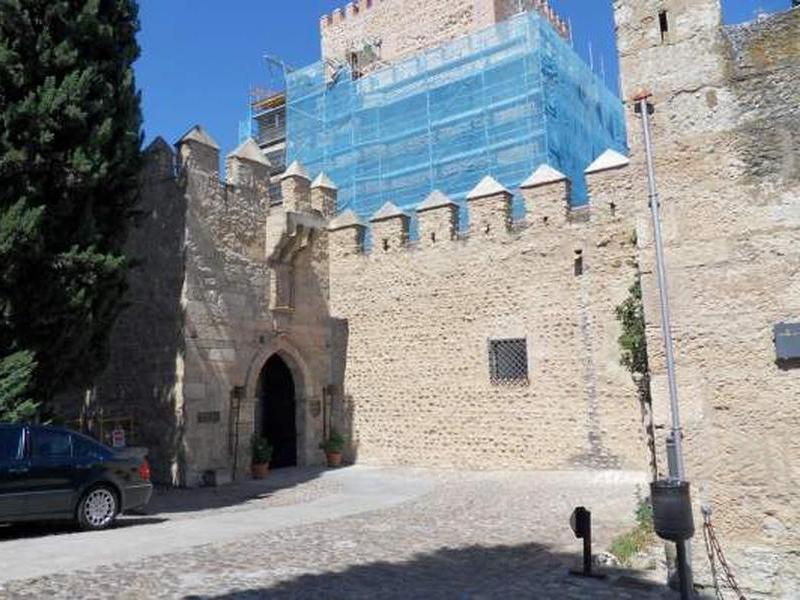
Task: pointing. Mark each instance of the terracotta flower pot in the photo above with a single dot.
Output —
(260, 471)
(334, 459)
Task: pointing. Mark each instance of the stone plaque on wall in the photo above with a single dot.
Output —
(212, 416)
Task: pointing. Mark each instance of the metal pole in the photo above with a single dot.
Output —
(587, 547)
(684, 569)
(676, 463)
(666, 325)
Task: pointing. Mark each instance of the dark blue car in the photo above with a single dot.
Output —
(50, 473)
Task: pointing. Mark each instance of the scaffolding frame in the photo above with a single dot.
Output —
(501, 101)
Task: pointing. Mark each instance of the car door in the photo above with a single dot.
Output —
(52, 472)
(13, 471)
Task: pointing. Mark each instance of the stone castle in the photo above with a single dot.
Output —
(461, 336)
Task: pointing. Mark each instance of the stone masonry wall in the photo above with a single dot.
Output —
(726, 133)
(420, 319)
(233, 323)
(187, 354)
(138, 388)
(405, 27)
(225, 312)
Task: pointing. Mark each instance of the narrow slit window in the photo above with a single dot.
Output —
(355, 69)
(663, 24)
(578, 263)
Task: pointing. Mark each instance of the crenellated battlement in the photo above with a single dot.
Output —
(488, 213)
(395, 29)
(231, 208)
(437, 220)
(245, 167)
(350, 12)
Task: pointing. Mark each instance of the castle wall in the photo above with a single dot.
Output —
(234, 323)
(396, 340)
(224, 310)
(202, 320)
(726, 136)
(408, 26)
(421, 318)
(138, 390)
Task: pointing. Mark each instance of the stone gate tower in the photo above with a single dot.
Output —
(726, 140)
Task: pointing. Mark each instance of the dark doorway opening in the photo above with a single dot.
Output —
(278, 410)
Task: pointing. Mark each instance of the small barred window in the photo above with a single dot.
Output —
(508, 362)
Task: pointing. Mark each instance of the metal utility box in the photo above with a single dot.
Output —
(787, 341)
(672, 510)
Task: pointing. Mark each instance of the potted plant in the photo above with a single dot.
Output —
(262, 454)
(333, 448)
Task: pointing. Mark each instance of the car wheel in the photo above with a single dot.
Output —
(97, 509)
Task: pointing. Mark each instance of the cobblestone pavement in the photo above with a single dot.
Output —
(472, 535)
(285, 487)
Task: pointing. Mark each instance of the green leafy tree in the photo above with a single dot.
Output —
(70, 139)
(633, 341)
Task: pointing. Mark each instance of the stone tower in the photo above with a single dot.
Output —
(672, 48)
(726, 140)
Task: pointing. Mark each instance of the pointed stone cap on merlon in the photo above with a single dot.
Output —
(249, 150)
(436, 199)
(159, 145)
(488, 186)
(544, 175)
(199, 135)
(608, 160)
(159, 158)
(322, 181)
(388, 211)
(344, 220)
(296, 169)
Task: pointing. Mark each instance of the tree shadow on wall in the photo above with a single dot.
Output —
(521, 571)
(136, 390)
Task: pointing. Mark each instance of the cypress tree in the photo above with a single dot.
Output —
(15, 376)
(70, 139)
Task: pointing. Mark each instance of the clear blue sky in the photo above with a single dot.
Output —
(201, 57)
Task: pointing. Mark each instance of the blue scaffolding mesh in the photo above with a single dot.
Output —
(501, 101)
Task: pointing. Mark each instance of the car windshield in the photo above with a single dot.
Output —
(10, 443)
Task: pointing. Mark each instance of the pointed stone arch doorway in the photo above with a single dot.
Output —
(276, 411)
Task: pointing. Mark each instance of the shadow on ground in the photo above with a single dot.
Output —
(19, 531)
(522, 571)
(167, 501)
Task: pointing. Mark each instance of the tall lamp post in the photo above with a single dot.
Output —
(671, 501)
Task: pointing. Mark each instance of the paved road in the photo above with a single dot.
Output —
(354, 533)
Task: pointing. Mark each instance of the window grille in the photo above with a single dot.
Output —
(508, 361)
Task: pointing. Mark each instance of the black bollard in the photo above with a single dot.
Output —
(581, 523)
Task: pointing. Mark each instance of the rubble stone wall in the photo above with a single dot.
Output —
(727, 141)
(421, 318)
